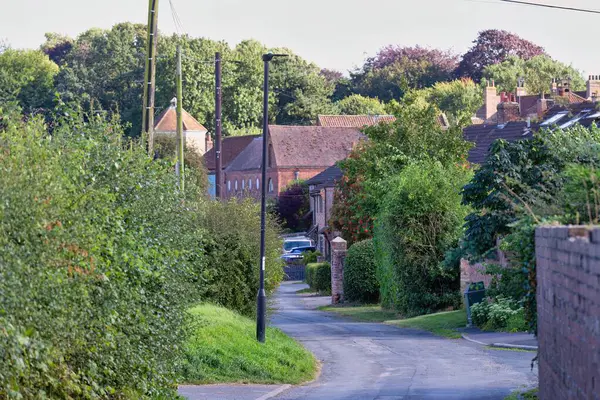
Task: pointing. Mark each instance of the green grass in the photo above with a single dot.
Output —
(306, 290)
(441, 324)
(363, 313)
(222, 348)
(528, 395)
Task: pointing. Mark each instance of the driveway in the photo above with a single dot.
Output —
(376, 361)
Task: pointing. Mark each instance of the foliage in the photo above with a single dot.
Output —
(240, 358)
(442, 324)
(360, 280)
(538, 72)
(395, 70)
(420, 220)
(27, 77)
(165, 147)
(310, 257)
(500, 313)
(359, 105)
(491, 47)
(415, 135)
(291, 207)
(99, 256)
(233, 251)
(318, 277)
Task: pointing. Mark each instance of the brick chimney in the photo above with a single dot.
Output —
(508, 111)
(593, 88)
(490, 99)
(208, 143)
(521, 91)
(554, 88)
(542, 106)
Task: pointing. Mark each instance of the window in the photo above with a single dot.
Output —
(236, 186)
(229, 186)
(297, 175)
(257, 184)
(250, 184)
(243, 184)
(270, 185)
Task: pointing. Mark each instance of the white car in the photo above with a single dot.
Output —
(290, 244)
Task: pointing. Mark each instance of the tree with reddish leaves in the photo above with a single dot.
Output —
(292, 206)
(494, 46)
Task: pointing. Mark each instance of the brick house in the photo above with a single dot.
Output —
(294, 153)
(195, 135)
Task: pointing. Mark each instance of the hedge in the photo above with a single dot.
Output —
(360, 279)
(318, 277)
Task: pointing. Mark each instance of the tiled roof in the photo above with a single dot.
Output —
(311, 146)
(231, 148)
(250, 158)
(352, 121)
(167, 122)
(326, 178)
(484, 135)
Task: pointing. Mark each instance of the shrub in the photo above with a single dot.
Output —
(318, 277)
(480, 313)
(420, 221)
(360, 280)
(310, 257)
(499, 314)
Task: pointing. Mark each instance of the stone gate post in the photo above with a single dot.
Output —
(338, 256)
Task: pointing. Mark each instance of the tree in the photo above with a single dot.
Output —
(395, 70)
(343, 85)
(538, 72)
(459, 99)
(57, 47)
(360, 105)
(492, 47)
(27, 78)
(291, 207)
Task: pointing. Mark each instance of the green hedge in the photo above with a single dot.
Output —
(360, 280)
(421, 219)
(318, 277)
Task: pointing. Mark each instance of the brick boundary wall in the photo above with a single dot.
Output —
(568, 304)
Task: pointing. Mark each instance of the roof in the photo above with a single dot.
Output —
(167, 122)
(311, 146)
(484, 135)
(352, 121)
(232, 146)
(326, 178)
(250, 158)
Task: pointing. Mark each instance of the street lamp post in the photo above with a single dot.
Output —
(261, 300)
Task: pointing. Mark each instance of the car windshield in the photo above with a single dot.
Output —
(292, 244)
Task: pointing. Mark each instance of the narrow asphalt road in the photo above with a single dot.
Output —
(375, 361)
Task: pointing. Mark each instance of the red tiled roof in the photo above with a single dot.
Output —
(352, 121)
(311, 146)
(167, 122)
(250, 158)
(231, 148)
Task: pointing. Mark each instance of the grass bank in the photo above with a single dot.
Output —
(222, 349)
(441, 324)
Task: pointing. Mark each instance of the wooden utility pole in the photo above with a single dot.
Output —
(180, 168)
(218, 142)
(150, 78)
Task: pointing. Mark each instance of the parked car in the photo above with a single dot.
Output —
(297, 253)
(295, 242)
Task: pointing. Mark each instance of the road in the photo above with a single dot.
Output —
(378, 362)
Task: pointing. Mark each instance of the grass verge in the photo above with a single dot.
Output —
(306, 290)
(528, 395)
(363, 313)
(441, 324)
(222, 348)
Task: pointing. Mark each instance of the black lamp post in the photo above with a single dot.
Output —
(261, 301)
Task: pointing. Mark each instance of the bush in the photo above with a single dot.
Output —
(360, 280)
(500, 314)
(480, 313)
(420, 221)
(310, 257)
(98, 254)
(318, 277)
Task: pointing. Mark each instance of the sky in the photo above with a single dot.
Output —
(335, 34)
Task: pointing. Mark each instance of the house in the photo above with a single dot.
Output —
(231, 147)
(195, 135)
(352, 121)
(322, 192)
(294, 153)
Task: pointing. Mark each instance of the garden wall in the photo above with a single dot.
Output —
(568, 304)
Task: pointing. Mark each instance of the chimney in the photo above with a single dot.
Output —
(554, 88)
(208, 143)
(593, 88)
(542, 106)
(521, 91)
(491, 99)
(508, 111)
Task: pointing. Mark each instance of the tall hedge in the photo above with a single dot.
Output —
(360, 279)
(421, 219)
(318, 277)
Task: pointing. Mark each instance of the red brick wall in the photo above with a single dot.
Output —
(568, 303)
(285, 176)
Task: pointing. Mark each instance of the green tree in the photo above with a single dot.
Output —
(359, 105)
(538, 73)
(27, 77)
(459, 99)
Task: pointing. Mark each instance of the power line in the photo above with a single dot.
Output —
(527, 3)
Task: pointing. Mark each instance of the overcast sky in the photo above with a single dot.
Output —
(335, 34)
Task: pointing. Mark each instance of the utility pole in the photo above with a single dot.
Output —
(261, 301)
(150, 78)
(218, 116)
(180, 167)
